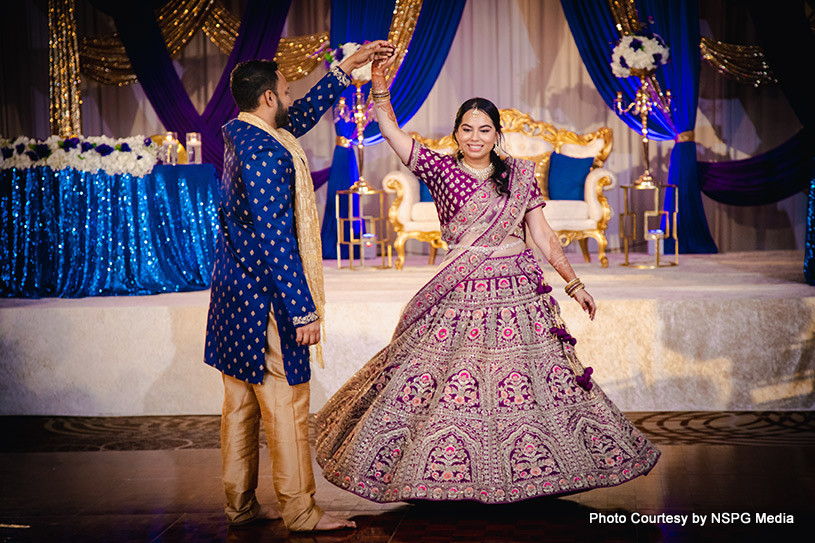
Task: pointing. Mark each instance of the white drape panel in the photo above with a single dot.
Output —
(517, 53)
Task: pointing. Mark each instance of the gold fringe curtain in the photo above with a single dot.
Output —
(403, 23)
(744, 63)
(105, 60)
(298, 57)
(625, 16)
(63, 69)
(221, 27)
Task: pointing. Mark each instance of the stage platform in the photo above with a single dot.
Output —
(718, 332)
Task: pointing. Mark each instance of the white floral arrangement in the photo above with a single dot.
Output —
(638, 52)
(135, 155)
(333, 57)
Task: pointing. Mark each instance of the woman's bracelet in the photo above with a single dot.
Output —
(574, 286)
(381, 96)
(577, 289)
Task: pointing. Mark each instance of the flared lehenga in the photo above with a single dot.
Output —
(478, 400)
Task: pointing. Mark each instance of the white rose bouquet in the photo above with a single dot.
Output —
(135, 155)
(643, 53)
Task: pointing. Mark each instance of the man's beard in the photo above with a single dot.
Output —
(281, 116)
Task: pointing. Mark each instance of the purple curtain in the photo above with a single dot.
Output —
(762, 179)
(259, 34)
(781, 27)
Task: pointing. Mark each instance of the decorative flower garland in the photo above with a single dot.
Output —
(333, 57)
(643, 52)
(135, 155)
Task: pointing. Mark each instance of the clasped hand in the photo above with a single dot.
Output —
(377, 51)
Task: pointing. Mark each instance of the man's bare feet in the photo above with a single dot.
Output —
(328, 522)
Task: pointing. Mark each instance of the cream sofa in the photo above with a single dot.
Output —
(572, 220)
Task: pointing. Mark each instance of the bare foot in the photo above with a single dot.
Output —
(328, 522)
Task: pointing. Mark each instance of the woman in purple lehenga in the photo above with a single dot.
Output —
(479, 395)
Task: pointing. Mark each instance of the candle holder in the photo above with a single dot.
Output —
(194, 148)
(361, 113)
(169, 148)
(649, 96)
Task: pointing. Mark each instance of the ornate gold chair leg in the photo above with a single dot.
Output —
(584, 246)
(432, 260)
(399, 245)
(602, 244)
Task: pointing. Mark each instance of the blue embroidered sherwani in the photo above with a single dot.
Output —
(257, 260)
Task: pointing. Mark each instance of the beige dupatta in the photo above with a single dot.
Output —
(306, 218)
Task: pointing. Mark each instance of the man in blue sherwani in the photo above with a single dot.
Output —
(266, 297)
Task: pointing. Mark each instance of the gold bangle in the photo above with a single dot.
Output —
(580, 287)
(573, 287)
(572, 283)
(378, 100)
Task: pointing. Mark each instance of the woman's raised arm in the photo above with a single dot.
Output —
(398, 139)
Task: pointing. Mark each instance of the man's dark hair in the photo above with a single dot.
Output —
(250, 79)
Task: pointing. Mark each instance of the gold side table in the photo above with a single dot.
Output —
(657, 223)
(375, 226)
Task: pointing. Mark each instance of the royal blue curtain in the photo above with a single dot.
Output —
(71, 234)
(595, 35)
(351, 21)
(435, 30)
(354, 20)
(677, 21)
(136, 24)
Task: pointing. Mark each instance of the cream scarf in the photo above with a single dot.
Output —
(305, 213)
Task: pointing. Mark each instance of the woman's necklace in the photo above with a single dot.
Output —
(480, 174)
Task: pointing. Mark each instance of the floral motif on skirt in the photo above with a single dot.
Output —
(478, 400)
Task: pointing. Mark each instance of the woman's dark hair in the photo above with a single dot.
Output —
(501, 174)
(250, 79)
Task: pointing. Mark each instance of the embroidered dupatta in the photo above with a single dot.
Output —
(484, 220)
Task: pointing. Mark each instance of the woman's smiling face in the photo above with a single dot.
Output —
(476, 136)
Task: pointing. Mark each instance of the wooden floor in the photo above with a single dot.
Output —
(158, 479)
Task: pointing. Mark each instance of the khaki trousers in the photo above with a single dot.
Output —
(284, 410)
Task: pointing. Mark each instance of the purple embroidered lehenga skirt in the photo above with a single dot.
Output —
(478, 400)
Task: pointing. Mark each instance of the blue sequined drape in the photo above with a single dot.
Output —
(72, 234)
